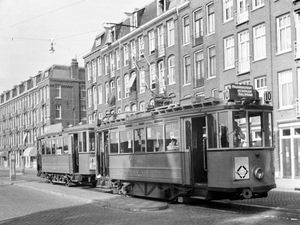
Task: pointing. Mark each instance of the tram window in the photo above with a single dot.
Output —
(139, 140)
(261, 124)
(84, 148)
(59, 146)
(155, 142)
(53, 146)
(80, 138)
(239, 129)
(126, 141)
(65, 144)
(212, 130)
(114, 141)
(92, 141)
(223, 130)
(48, 150)
(42, 143)
(172, 136)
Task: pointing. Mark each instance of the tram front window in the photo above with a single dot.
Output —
(239, 129)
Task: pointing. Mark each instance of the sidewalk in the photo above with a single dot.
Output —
(287, 184)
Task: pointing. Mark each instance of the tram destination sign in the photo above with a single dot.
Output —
(239, 92)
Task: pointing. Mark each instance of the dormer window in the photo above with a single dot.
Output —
(161, 6)
(98, 41)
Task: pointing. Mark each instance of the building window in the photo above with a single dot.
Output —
(152, 76)
(259, 42)
(227, 10)
(245, 82)
(186, 30)
(89, 71)
(161, 76)
(242, 14)
(126, 84)
(94, 71)
(170, 32)
(141, 47)
(133, 108)
(126, 55)
(58, 111)
(112, 64)
(151, 42)
(126, 108)
(210, 12)
(133, 22)
(260, 85)
(257, 4)
(106, 92)
(187, 70)
(284, 42)
(100, 94)
(199, 69)
(57, 91)
(99, 66)
(83, 111)
(142, 106)
(160, 36)
(118, 59)
(171, 70)
(82, 91)
(95, 97)
(89, 97)
(229, 52)
(211, 51)
(119, 89)
(105, 65)
(198, 27)
(285, 89)
(133, 53)
(142, 82)
(244, 52)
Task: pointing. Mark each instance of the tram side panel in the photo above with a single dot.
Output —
(56, 164)
(239, 171)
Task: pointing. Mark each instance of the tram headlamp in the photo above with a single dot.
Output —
(258, 173)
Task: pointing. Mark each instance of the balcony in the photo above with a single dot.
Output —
(197, 39)
(243, 65)
(161, 51)
(241, 15)
(296, 50)
(297, 108)
(133, 96)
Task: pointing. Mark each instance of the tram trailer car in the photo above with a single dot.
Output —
(205, 150)
(68, 157)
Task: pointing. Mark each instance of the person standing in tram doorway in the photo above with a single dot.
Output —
(238, 135)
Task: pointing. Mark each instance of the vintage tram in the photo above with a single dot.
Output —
(208, 149)
(68, 156)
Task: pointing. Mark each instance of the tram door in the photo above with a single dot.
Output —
(198, 150)
(75, 156)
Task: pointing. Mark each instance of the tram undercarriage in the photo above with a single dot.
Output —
(69, 179)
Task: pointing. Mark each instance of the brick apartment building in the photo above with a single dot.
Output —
(174, 50)
(56, 95)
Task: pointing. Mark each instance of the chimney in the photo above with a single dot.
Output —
(74, 69)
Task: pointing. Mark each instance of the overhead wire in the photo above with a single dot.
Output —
(24, 21)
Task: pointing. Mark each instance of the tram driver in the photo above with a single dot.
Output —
(238, 135)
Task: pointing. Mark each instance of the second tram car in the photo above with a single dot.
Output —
(68, 156)
(207, 149)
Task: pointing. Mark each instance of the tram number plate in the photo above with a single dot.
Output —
(241, 168)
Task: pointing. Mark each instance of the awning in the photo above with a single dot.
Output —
(30, 151)
(131, 80)
(3, 154)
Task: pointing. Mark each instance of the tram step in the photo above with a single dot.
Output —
(201, 185)
(198, 197)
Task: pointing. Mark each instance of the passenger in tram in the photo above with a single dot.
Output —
(173, 145)
(238, 135)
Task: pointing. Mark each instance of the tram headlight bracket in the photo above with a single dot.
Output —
(258, 173)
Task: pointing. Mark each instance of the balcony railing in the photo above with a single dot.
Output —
(296, 50)
(161, 51)
(243, 65)
(241, 15)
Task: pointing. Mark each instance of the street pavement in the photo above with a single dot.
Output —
(285, 197)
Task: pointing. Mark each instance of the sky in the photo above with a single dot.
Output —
(27, 29)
